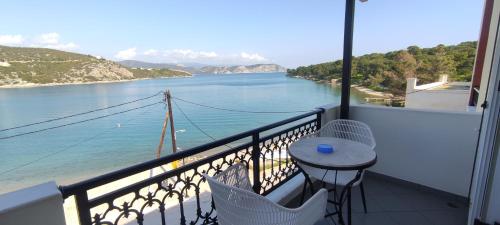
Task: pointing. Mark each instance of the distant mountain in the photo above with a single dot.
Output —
(257, 68)
(147, 65)
(32, 66)
(205, 69)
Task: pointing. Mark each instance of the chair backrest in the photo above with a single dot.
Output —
(235, 176)
(348, 129)
(235, 201)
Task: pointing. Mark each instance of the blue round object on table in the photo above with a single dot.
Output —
(325, 148)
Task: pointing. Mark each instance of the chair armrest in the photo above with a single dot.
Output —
(314, 208)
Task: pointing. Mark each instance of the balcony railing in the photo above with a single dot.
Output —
(262, 150)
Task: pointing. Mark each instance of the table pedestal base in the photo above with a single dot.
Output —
(338, 199)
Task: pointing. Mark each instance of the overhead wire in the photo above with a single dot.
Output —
(238, 110)
(195, 125)
(82, 113)
(80, 121)
(69, 147)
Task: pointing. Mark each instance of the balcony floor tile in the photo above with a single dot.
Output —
(392, 202)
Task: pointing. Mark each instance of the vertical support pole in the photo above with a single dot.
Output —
(171, 117)
(347, 60)
(163, 131)
(349, 207)
(256, 163)
(318, 120)
(83, 209)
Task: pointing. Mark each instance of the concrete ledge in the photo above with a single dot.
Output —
(288, 191)
(40, 204)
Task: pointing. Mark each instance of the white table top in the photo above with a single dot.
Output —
(347, 154)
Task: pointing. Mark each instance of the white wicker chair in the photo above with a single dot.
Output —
(237, 204)
(344, 129)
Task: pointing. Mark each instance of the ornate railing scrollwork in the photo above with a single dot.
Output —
(181, 195)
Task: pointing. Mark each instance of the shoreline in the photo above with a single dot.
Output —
(35, 85)
(371, 92)
(359, 88)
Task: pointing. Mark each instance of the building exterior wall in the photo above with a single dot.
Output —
(489, 53)
(455, 100)
(427, 97)
(428, 147)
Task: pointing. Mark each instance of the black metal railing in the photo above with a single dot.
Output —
(181, 194)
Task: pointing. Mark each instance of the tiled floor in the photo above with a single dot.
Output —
(392, 202)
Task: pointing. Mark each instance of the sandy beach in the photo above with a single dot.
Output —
(172, 207)
(372, 92)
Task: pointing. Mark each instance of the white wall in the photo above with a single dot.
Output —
(456, 100)
(38, 205)
(332, 111)
(431, 148)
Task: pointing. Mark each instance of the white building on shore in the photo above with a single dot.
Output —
(442, 95)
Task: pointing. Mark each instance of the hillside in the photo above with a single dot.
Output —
(204, 69)
(257, 68)
(148, 65)
(24, 66)
(157, 73)
(388, 71)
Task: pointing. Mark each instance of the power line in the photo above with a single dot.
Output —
(80, 114)
(237, 110)
(67, 148)
(78, 122)
(201, 130)
(194, 124)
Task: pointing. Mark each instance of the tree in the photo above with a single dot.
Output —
(389, 71)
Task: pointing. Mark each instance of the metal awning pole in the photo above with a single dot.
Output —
(347, 60)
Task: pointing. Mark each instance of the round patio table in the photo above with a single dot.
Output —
(347, 155)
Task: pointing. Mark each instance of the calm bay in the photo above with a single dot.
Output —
(84, 150)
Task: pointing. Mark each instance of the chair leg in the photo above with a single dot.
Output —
(303, 192)
(349, 207)
(363, 196)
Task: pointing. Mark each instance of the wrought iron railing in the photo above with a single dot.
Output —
(181, 195)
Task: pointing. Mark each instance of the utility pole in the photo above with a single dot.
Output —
(163, 130)
(168, 117)
(171, 116)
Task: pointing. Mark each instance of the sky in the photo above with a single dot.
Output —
(287, 32)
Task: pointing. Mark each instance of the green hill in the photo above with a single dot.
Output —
(388, 72)
(20, 66)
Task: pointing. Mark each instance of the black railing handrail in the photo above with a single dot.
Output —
(91, 183)
(157, 178)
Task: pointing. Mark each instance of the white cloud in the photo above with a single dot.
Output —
(252, 57)
(67, 46)
(191, 55)
(11, 39)
(49, 38)
(151, 52)
(182, 54)
(52, 40)
(126, 54)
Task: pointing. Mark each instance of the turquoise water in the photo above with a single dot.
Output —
(84, 150)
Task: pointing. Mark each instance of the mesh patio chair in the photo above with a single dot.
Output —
(237, 204)
(344, 129)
